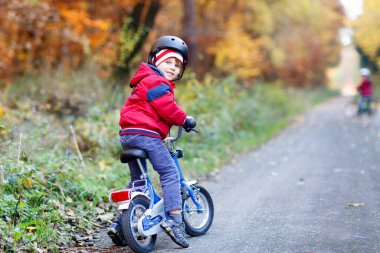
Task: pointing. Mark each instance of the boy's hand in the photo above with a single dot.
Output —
(189, 123)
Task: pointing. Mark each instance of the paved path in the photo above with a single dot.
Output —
(314, 188)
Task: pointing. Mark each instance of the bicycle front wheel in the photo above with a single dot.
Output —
(198, 221)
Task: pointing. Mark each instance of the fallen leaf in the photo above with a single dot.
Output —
(27, 183)
(70, 212)
(356, 204)
(2, 112)
(105, 217)
(31, 229)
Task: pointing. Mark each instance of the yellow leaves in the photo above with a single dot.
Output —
(239, 54)
(305, 42)
(31, 229)
(366, 29)
(105, 165)
(2, 112)
(261, 18)
(277, 56)
(79, 177)
(102, 165)
(279, 38)
(70, 212)
(27, 183)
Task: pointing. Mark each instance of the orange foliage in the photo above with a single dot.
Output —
(290, 40)
(46, 34)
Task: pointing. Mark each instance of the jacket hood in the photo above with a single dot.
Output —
(148, 70)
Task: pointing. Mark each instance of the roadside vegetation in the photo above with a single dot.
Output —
(59, 161)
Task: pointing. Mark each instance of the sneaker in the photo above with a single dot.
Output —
(116, 235)
(176, 232)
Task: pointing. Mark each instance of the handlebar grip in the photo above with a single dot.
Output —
(179, 134)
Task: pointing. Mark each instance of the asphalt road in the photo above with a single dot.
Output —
(313, 188)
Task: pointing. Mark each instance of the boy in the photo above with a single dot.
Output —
(365, 90)
(146, 119)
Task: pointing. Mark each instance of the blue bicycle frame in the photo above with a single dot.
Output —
(183, 184)
(148, 222)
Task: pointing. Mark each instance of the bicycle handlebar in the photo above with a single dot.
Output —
(179, 134)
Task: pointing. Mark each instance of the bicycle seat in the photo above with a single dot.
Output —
(132, 154)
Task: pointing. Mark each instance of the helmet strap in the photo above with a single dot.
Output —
(153, 60)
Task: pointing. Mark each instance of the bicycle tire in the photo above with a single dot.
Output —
(203, 220)
(138, 243)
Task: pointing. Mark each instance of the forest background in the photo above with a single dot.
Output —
(64, 72)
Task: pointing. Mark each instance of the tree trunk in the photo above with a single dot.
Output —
(189, 34)
(143, 16)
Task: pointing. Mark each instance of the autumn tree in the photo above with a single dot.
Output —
(307, 35)
(243, 48)
(290, 40)
(51, 34)
(134, 33)
(366, 32)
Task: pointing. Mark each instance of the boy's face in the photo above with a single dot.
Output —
(171, 68)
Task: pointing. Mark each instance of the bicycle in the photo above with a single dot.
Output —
(142, 209)
(352, 109)
(367, 105)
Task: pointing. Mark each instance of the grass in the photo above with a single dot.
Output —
(50, 196)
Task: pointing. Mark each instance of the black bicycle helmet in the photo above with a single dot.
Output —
(169, 42)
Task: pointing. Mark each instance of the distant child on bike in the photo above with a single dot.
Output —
(145, 120)
(365, 91)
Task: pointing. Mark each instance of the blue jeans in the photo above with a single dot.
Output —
(364, 104)
(162, 162)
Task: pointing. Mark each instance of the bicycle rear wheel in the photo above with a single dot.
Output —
(197, 222)
(136, 241)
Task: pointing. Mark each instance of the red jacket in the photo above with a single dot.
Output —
(150, 109)
(365, 87)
